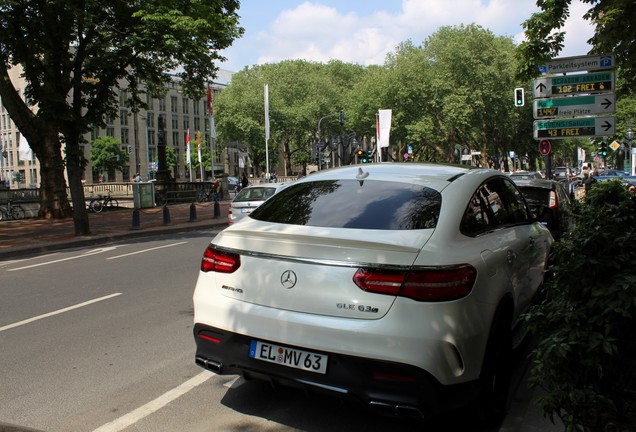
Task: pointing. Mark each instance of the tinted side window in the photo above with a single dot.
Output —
(496, 203)
(513, 199)
(353, 204)
(477, 218)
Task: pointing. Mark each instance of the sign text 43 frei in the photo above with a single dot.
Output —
(575, 127)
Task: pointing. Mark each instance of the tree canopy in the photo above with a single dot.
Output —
(74, 56)
(452, 93)
(614, 32)
(107, 154)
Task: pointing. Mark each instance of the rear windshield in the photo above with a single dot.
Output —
(354, 204)
(254, 194)
(536, 196)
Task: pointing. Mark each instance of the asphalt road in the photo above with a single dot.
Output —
(99, 339)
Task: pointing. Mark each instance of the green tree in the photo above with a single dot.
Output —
(453, 91)
(300, 94)
(108, 155)
(74, 54)
(615, 32)
(585, 351)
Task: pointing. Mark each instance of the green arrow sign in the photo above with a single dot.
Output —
(574, 106)
(574, 128)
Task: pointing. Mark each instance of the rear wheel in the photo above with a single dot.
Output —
(497, 371)
(96, 206)
(17, 212)
(111, 203)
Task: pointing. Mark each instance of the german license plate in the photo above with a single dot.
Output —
(290, 357)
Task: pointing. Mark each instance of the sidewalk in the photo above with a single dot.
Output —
(22, 237)
(29, 236)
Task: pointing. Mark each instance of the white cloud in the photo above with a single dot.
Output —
(316, 32)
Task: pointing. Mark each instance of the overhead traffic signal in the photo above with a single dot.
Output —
(519, 97)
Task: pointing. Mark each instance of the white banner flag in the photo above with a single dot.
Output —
(383, 126)
(212, 128)
(24, 149)
(266, 112)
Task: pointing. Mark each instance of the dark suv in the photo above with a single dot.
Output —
(550, 203)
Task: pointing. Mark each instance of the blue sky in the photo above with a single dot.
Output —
(364, 31)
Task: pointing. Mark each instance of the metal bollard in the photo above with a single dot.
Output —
(193, 212)
(136, 216)
(166, 215)
(217, 209)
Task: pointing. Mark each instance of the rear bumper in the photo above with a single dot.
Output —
(385, 387)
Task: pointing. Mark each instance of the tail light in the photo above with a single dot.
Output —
(215, 260)
(553, 200)
(429, 285)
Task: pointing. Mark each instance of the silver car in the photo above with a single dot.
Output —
(249, 198)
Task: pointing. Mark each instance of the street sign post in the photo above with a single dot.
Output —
(574, 84)
(574, 106)
(578, 63)
(574, 128)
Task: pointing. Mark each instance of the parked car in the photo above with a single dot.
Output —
(249, 198)
(525, 175)
(612, 173)
(561, 173)
(550, 202)
(233, 184)
(397, 285)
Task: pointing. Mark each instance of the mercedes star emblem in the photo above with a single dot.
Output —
(288, 279)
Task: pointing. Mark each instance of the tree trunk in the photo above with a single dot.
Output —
(53, 198)
(75, 169)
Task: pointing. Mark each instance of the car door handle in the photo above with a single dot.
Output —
(511, 255)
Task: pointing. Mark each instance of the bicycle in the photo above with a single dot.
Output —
(110, 202)
(211, 195)
(99, 203)
(11, 211)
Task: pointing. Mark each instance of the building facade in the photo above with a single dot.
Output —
(138, 134)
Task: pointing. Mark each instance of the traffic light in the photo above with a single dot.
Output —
(367, 156)
(602, 150)
(519, 97)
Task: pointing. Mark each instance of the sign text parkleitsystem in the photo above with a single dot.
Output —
(578, 63)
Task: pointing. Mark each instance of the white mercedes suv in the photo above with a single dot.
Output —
(397, 285)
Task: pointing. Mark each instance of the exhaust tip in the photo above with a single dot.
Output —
(211, 365)
(394, 410)
(407, 411)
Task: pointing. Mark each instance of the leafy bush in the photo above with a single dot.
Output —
(585, 357)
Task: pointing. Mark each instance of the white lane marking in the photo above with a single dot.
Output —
(15, 261)
(84, 255)
(57, 312)
(146, 250)
(153, 406)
